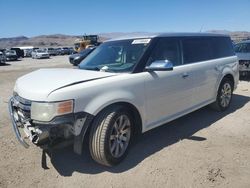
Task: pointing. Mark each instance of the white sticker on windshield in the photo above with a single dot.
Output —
(141, 41)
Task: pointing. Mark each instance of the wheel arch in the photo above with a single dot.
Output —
(135, 113)
(132, 108)
(226, 76)
(229, 77)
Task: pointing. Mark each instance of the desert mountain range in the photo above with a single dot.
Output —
(68, 40)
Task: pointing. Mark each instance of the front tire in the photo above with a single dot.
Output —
(224, 95)
(110, 135)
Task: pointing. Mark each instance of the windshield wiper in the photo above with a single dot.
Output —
(89, 68)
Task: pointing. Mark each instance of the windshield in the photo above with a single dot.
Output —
(12, 52)
(116, 56)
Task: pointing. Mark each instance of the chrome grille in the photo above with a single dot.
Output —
(244, 62)
(244, 65)
(22, 106)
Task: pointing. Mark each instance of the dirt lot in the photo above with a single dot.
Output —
(202, 149)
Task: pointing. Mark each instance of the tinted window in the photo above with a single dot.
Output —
(223, 47)
(242, 48)
(206, 48)
(197, 49)
(248, 48)
(166, 49)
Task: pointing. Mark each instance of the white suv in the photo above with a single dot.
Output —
(125, 87)
(242, 50)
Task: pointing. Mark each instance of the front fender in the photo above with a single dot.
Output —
(96, 104)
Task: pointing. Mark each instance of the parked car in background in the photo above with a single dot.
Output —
(40, 54)
(19, 52)
(125, 87)
(2, 58)
(65, 51)
(11, 55)
(75, 59)
(27, 52)
(72, 50)
(58, 51)
(242, 51)
(51, 51)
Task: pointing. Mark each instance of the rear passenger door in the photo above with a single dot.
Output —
(168, 93)
(198, 54)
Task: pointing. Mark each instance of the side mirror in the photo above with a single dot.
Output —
(160, 65)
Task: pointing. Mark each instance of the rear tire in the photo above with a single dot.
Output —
(111, 135)
(224, 95)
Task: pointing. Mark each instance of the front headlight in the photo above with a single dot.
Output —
(47, 111)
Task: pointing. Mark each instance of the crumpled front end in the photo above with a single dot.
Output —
(61, 130)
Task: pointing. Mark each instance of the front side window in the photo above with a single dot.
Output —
(116, 56)
(166, 49)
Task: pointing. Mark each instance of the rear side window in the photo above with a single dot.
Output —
(197, 49)
(206, 48)
(223, 47)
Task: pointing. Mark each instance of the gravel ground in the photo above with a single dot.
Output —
(202, 149)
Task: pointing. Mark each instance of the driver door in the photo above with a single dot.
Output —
(168, 93)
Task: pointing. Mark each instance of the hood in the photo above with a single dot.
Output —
(38, 85)
(73, 56)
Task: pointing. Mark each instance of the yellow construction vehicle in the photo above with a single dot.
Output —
(85, 42)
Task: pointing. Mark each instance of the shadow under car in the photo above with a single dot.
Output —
(65, 161)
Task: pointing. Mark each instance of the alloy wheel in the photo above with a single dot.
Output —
(120, 136)
(226, 94)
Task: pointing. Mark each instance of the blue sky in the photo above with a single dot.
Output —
(76, 17)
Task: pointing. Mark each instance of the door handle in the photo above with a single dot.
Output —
(185, 75)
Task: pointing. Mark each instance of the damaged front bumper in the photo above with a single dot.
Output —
(244, 67)
(15, 126)
(60, 131)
